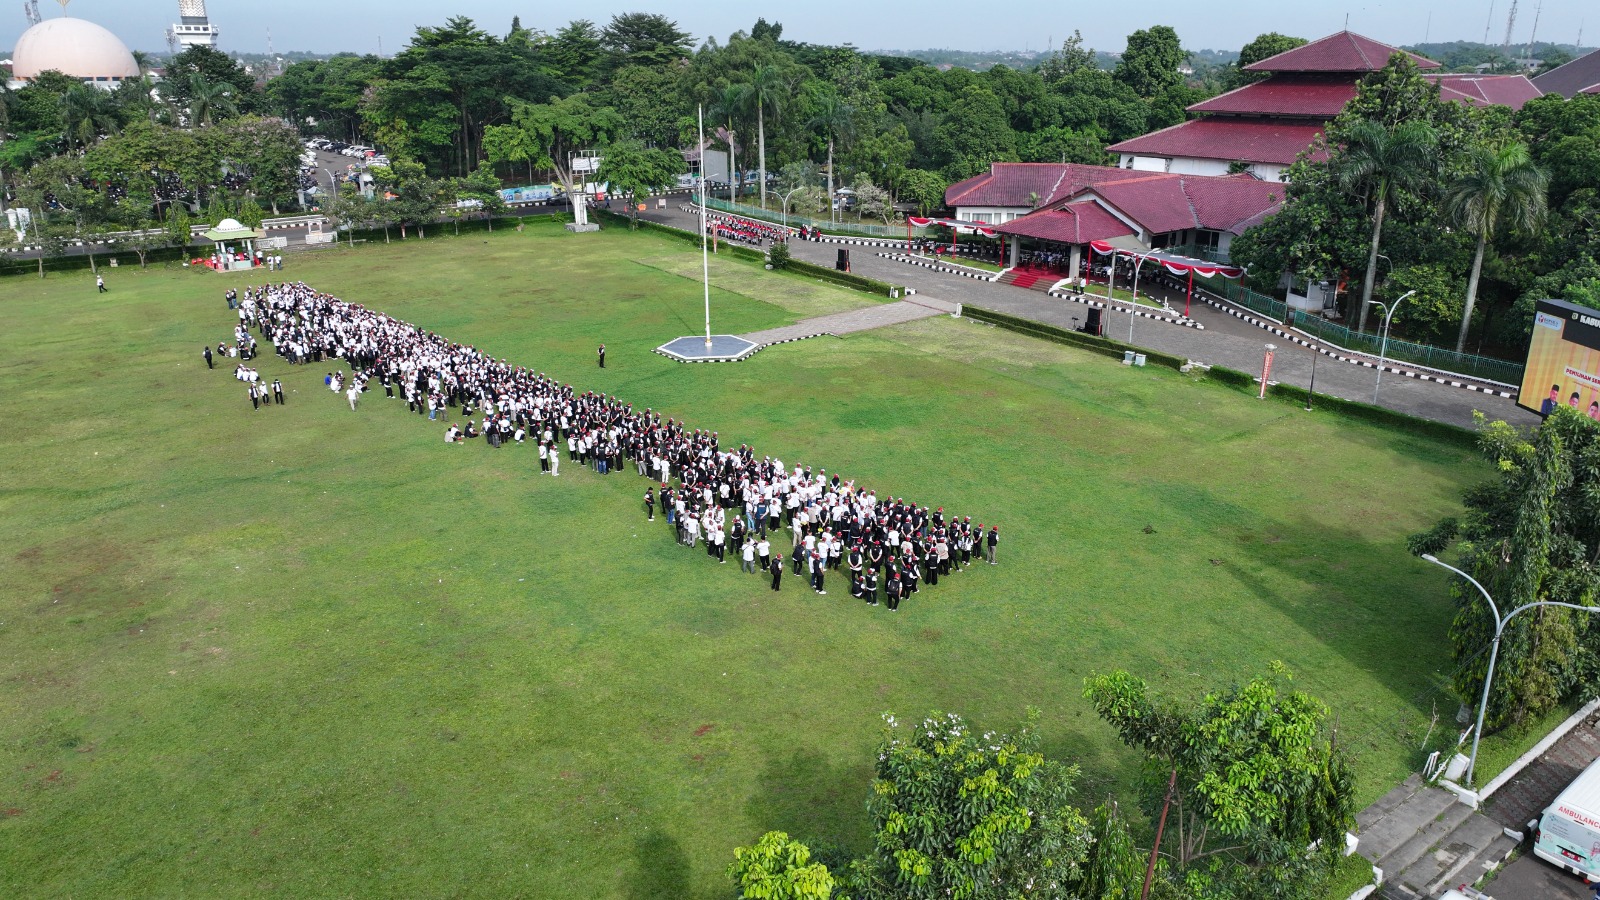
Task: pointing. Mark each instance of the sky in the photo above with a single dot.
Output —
(362, 26)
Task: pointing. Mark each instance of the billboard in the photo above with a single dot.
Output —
(1563, 360)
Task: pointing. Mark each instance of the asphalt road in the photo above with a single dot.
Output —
(1531, 878)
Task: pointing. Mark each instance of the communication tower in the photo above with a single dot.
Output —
(194, 28)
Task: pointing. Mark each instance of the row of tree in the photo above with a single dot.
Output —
(1245, 793)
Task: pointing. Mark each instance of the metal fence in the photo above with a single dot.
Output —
(1465, 364)
(891, 232)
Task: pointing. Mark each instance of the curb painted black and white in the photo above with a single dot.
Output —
(1274, 328)
(745, 355)
(1088, 300)
(989, 277)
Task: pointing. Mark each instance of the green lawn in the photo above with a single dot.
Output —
(313, 652)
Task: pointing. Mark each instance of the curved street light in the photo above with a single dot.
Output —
(1383, 348)
(1494, 652)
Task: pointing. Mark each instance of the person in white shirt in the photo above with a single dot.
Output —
(747, 556)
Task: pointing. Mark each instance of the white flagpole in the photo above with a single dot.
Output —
(705, 257)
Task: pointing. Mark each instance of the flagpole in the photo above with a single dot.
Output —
(705, 258)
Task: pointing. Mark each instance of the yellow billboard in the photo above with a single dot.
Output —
(1563, 360)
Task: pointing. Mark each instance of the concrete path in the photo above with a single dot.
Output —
(1226, 341)
(864, 319)
(1534, 788)
(1531, 878)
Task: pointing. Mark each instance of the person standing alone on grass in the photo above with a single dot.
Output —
(100, 283)
(206, 352)
(601, 355)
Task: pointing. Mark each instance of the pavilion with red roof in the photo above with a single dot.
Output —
(1262, 128)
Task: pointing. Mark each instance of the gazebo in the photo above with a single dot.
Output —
(226, 232)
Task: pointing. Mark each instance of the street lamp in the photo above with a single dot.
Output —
(1388, 314)
(1494, 651)
(786, 204)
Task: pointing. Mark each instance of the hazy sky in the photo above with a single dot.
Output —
(320, 26)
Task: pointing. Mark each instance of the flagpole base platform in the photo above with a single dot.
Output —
(721, 348)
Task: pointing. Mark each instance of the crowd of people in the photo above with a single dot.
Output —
(747, 231)
(729, 500)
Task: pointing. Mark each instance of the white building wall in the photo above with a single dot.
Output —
(991, 215)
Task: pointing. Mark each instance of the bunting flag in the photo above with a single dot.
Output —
(1172, 262)
(957, 225)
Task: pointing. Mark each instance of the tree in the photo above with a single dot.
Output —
(728, 104)
(86, 114)
(1383, 161)
(1072, 58)
(638, 38)
(970, 814)
(483, 187)
(1531, 533)
(546, 134)
(769, 91)
(836, 120)
(873, 201)
(924, 188)
(1265, 46)
(417, 197)
(636, 171)
(1255, 777)
(975, 134)
(575, 52)
(1150, 63)
(179, 227)
(220, 74)
(1501, 183)
(210, 100)
(779, 868)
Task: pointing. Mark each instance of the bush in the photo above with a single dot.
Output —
(1090, 342)
(778, 256)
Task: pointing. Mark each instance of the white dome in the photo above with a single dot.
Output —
(230, 225)
(72, 47)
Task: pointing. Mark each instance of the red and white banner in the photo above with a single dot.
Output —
(957, 225)
(1177, 265)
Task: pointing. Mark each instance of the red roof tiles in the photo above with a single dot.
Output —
(1285, 95)
(1342, 52)
(1227, 138)
(1074, 223)
(1487, 90)
(1158, 202)
(1014, 184)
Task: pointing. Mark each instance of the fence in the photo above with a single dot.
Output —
(891, 232)
(1467, 364)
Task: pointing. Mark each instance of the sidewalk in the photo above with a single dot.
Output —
(1225, 341)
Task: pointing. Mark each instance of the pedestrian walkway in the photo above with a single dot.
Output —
(864, 319)
(1424, 839)
(1224, 341)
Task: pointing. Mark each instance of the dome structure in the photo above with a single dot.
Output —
(74, 47)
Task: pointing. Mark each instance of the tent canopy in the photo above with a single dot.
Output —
(956, 225)
(1177, 265)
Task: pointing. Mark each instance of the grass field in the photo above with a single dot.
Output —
(313, 652)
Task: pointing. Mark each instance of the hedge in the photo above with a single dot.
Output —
(846, 279)
(1093, 343)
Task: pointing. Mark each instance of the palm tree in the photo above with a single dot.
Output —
(86, 113)
(209, 99)
(837, 119)
(727, 105)
(768, 90)
(1502, 183)
(1384, 162)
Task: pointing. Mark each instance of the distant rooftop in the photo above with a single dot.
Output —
(1342, 52)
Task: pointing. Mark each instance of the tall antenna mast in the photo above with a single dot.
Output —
(269, 42)
(1487, 23)
(1535, 32)
(30, 8)
(1511, 23)
(1427, 29)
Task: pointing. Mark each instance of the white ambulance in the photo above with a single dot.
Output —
(1569, 829)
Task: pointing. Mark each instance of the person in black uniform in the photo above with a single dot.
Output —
(277, 391)
(206, 351)
(777, 570)
(994, 538)
(819, 567)
(650, 503)
(601, 355)
(892, 589)
(871, 589)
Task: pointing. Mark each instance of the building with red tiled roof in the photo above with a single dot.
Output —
(1262, 128)
(1581, 76)
(1486, 90)
(1011, 190)
(1148, 210)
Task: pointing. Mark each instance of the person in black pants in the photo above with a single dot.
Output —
(206, 351)
(650, 503)
(601, 354)
(777, 570)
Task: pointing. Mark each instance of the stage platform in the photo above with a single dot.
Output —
(723, 348)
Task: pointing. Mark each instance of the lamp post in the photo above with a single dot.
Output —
(1383, 348)
(1494, 650)
(786, 205)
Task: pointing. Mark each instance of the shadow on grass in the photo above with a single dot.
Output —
(660, 868)
(818, 803)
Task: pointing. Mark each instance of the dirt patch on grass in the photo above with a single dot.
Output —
(702, 730)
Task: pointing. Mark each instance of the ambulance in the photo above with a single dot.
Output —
(1568, 834)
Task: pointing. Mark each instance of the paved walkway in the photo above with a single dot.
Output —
(1534, 788)
(1226, 341)
(864, 319)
